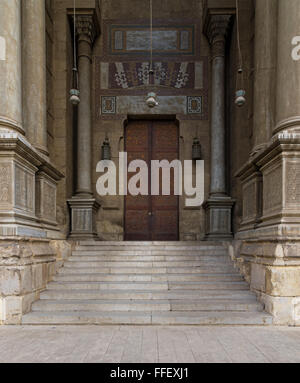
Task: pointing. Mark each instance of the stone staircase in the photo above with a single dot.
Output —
(148, 283)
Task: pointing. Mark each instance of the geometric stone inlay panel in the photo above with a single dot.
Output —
(24, 189)
(292, 183)
(220, 220)
(126, 75)
(5, 184)
(272, 189)
(249, 201)
(194, 105)
(82, 220)
(49, 201)
(108, 105)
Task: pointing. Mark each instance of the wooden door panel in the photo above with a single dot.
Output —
(165, 208)
(165, 225)
(137, 208)
(152, 217)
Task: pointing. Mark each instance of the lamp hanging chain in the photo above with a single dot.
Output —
(151, 37)
(240, 69)
(75, 70)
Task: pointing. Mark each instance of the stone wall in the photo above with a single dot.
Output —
(26, 266)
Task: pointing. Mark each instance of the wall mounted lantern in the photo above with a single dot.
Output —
(196, 150)
(106, 150)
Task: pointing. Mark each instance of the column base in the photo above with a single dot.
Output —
(83, 218)
(218, 218)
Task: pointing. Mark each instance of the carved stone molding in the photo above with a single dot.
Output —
(275, 172)
(27, 189)
(85, 27)
(217, 28)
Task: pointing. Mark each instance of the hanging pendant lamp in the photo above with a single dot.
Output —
(74, 92)
(151, 100)
(240, 94)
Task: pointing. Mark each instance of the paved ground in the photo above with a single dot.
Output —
(133, 344)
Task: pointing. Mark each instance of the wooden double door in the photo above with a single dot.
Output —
(152, 218)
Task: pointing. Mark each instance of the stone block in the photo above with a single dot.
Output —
(39, 278)
(281, 308)
(258, 277)
(10, 281)
(10, 310)
(62, 249)
(283, 281)
(27, 301)
(26, 279)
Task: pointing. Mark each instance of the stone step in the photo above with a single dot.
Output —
(148, 285)
(102, 264)
(148, 258)
(144, 252)
(147, 305)
(183, 248)
(158, 318)
(146, 277)
(148, 294)
(153, 243)
(68, 269)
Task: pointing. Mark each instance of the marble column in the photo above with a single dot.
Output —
(288, 70)
(10, 67)
(84, 153)
(265, 72)
(34, 73)
(219, 205)
(83, 205)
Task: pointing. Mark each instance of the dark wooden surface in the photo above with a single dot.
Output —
(152, 217)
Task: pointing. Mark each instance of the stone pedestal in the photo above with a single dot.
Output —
(218, 218)
(83, 223)
(27, 190)
(269, 252)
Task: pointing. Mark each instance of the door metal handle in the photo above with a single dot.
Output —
(150, 214)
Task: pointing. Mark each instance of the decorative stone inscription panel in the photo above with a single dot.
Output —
(24, 189)
(292, 188)
(49, 201)
(130, 39)
(181, 72)
(5, 184)
(272, 195)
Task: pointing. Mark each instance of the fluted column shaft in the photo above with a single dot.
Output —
(34, 73)
(288, 70)
(10, 66)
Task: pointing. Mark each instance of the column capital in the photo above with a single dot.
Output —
(87, 25)
(217, 28)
